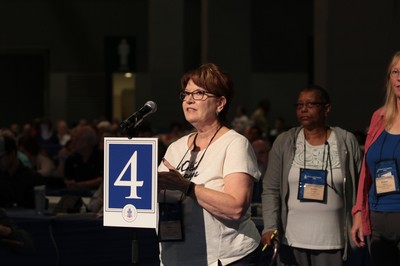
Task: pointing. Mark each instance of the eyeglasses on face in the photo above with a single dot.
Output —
(197, 95)
(394, 72)
(309, 105)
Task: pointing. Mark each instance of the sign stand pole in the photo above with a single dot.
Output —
(135, 249)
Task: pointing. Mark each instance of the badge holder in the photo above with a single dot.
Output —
(386, 178)
(170, 222)
(312, 185)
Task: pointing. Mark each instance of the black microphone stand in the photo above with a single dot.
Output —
(132, 132)
(135, 249)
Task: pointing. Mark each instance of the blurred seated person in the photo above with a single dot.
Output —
(15, 129)
(253, 133)
(103, 126)
(63, 134)
(176, 131)
(260, 116)
(83, 168)
(41, 161)
(104, 130)
(47, 137)
(21, 156)
(12, 238)
(96, 204)
(279, 127)
(17, 181)
(60, 159)
(261, 148)
(241, 121)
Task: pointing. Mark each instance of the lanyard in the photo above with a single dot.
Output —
(194, 147)
(383, 144)
(323, 155)
(328, 158)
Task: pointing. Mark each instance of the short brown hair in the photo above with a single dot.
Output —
(214, 80)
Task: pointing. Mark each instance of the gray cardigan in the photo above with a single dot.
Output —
(275, 182)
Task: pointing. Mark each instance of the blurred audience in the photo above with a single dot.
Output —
(176, 131)
(279, 127)
(96, 204)
(253, 133)
(261, 149)
(63, 133)
(39, 158)
(47, 137)
(84, 166)
(17, 181)
(21, 156)
(15, 129)
(13, 238)
(259, 117)
(241, 121)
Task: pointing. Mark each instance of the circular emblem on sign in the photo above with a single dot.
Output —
(129, 213)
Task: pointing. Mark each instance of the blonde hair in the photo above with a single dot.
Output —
(391, 100)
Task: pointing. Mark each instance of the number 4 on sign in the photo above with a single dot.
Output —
(133, 183)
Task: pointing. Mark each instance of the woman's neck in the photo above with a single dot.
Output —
(205, 135)
(208, 131)
(395, 127)
(317, 136)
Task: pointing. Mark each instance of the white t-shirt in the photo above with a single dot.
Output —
(207, 238)
(314, 225)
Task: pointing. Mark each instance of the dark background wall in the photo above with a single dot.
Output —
(56, 57)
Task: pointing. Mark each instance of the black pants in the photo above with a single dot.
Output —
(291, 256)
(385, 238)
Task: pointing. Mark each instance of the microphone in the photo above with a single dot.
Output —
(135, 119)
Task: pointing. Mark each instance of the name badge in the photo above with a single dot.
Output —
(312, 185)
(386, 178)
(170, 222)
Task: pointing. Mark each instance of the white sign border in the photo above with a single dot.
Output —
(115, 216)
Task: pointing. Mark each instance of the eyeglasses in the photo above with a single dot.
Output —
(394, 73)
(197, 95)
(309, 105)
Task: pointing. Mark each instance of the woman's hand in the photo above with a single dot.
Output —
(231, 203)
(172, 179)
(357, 234)
(268, 237)
(5, 231)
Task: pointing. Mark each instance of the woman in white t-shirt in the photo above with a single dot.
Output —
(206, 181)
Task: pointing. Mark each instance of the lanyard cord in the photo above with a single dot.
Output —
(328, 159)
(192, 149)
(380, 159)
(323, 155)
(383, 144)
